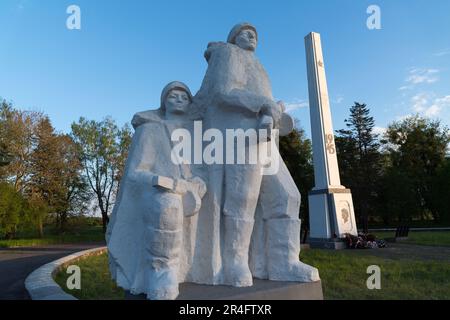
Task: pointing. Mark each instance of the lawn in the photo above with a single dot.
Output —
(96, 280)
(83, 235)
(427, 238)
(343, 275)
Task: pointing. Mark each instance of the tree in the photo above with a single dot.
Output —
(359, 160)
(18, 137)
(125, 136)
(441, 192)
(11, 207)
(296, 151)
(45, 180)
(56, 175)
(397, 199)
(5, 158)
(45, 167)
(103, 149)
(417, 149)
(76, 195)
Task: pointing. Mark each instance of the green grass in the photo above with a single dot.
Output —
(96, 280)
(343, 275)
(86, 234)
(428, 238)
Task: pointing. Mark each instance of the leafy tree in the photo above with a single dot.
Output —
(103, 149)
(5, 157)
(397, 198)
(18, 136)
(11, 207)
(417, 149)
(125, 136)
(296, 151)
(56, 175)
(36, 212)
(76, 194)
(359, 160)
(441, 192)
(45, 180)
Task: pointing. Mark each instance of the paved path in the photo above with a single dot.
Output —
(400, 250)
(17, 263)
(410, 229)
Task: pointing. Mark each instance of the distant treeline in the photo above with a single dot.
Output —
(50, 178)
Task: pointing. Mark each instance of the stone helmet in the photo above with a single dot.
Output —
(174, 85)
(238, 28)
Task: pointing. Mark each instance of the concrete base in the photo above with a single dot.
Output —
(331, 214)
(316, 243)
(261, 290)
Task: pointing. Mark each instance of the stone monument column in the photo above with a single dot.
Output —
(331, 213)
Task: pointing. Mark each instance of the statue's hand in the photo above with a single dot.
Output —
(192, 199)
(199, 186)
(191, 203)
(286, 124)
(281, 105)
(182, 186)
(164, 183)
(274, 110)
(190, 191)
(265, 123)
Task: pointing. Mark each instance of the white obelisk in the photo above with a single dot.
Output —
(331, 213)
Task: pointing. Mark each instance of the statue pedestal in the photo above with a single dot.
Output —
(331, 217)
(261, 290)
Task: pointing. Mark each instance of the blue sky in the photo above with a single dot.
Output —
(126, 51)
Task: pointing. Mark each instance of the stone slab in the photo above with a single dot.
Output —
(326, 244)
(261, 290)
(40, 284)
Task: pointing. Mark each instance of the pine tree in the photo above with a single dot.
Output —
(359, 161)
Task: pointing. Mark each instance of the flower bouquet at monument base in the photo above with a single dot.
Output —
(363, 241)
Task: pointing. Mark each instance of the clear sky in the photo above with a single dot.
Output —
(126, 51)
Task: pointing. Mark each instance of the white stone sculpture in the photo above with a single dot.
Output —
(236, 94)
(146, 229)
(247, 225)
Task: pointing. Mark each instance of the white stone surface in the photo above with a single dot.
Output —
(344, 214)
(236, 93)
(327, 207)
(326, 170)
(40, 284)
(320, 217)
(247, 225)
(156, 198)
